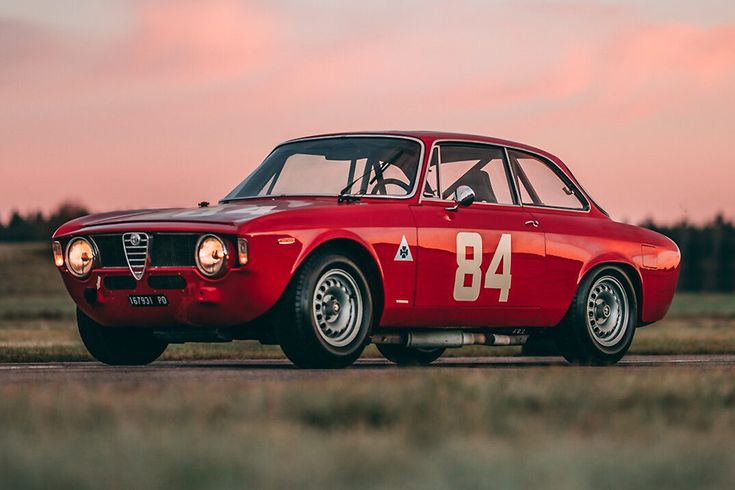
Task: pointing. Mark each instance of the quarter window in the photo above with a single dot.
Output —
(540, 185)
(431, 189)
(481, 167)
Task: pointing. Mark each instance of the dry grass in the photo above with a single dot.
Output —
(554, 428)
(569, 427)
(57, 340)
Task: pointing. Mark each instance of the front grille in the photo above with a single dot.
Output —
(164, 249)
(136, 252)
(170, 249)
(111, 250)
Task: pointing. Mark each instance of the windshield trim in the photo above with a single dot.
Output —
(414, 189)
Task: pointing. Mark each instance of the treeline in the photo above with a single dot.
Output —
(708, 250)
(33, 227)
(707, 253)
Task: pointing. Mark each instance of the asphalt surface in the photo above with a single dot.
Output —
(274, 369)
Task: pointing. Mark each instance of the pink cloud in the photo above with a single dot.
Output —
(200, 40)
(635, 73)
(171, 45)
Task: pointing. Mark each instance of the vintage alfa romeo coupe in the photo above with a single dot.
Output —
(414, 241)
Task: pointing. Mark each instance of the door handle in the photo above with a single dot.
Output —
(532, 222)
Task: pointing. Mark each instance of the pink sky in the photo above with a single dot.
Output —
(167, 103)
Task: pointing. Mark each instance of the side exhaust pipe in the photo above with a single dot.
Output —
(448, 339)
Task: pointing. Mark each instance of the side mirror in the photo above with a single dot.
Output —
(463, 196)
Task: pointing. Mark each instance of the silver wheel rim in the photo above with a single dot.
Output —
(607, 311)
(337, 308)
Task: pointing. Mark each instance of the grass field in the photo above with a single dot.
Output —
(37, 321)
(572, 428)
(432, 428)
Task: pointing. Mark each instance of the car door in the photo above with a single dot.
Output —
(569, 230)
(480, 265)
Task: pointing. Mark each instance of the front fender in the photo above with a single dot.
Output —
(276, 257)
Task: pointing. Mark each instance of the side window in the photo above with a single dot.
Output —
(431, 189)
(480, 167)
(540, 185)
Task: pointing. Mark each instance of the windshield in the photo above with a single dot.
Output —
(356, 165)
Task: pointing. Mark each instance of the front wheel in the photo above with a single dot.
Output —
(119, 346)
(599, 326)
(326, 313)
(410, 356)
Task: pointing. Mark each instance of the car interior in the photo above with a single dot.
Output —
(472, 164)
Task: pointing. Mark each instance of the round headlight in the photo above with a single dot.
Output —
(211, 255)
(80, 257)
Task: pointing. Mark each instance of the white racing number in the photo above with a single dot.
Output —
(469, 262)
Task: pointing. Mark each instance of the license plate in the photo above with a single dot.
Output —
(148, 300)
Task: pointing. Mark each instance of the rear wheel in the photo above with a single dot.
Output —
(119, 346)
(410, 356)
(326, 313)
(599, 326)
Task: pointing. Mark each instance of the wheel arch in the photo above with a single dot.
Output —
(361, 253)
(630, 271)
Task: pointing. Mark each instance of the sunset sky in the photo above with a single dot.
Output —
(121, 104)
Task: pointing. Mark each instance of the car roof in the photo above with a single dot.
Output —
(428, 137)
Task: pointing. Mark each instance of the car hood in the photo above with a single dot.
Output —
(231, 213)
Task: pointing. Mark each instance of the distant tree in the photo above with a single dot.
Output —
(35, 227)
(18, 229)
(707, 253)
(67, 210)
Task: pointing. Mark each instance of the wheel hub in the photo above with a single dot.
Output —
(607, 311)
(337, 308)
(602, 311)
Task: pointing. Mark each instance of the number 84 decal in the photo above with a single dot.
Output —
(471, 241)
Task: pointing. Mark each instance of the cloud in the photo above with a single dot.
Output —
(169, 46)
(637, 71)
(194, 40)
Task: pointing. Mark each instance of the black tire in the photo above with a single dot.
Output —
(580, 338)
(540, 345)
(308, 328)
(409, 356)
(119, 346)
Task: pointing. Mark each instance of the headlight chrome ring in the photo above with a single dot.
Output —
(211, 255)
(81, 257)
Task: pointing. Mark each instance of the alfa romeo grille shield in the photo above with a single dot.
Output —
(136, 252)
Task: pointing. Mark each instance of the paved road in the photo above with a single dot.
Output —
(281, 369)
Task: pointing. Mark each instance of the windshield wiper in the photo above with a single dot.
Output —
(345, 197)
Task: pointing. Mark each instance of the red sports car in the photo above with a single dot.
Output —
(414, 241)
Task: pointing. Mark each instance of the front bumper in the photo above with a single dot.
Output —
(230, 300)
